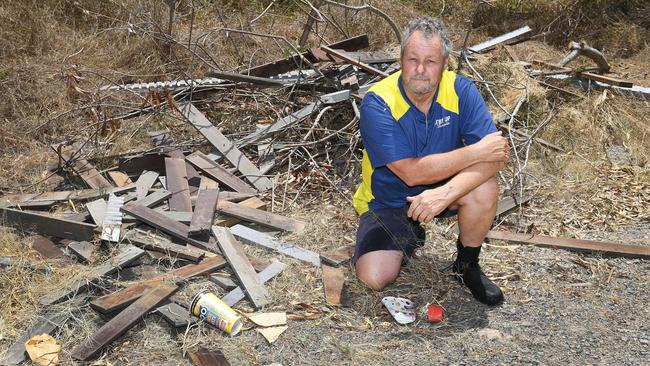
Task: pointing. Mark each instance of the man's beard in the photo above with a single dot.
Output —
(420, 88)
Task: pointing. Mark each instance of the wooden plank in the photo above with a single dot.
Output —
(260, 217)
(224, 282)
(86, 171)
(165, 224)
(208, 357)
(606, 79)
(203, 215)
(255, 237)
(44, 325)
(127, 256)
(193, 177)
(151, 200)
(269, 272)
(97, 209)
(294, 62)
(338, 256)
(50, 198)
(119, 299)
(252, 202)
(154, 198)
(218, 173)
(182, 217)
(122, 322)
(120, 178)
(333, 280)
(176, 315)
(242, 268)
(82, 249)
(572, 244)
(47, 249)
(510, 36)
(144, 182)
(280, 124)
(352, 61)
(47, 225)
(176, 175)
(224, 146)
(162, 245)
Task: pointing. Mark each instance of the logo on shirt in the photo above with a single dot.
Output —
(442, 122)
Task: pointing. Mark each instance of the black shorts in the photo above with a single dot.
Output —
(390, 229)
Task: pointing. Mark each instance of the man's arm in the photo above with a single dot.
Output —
(425, 206)
(434, 168)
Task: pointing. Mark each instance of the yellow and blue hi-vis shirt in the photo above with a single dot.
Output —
(392, 128)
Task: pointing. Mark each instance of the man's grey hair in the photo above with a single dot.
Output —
(429, 27)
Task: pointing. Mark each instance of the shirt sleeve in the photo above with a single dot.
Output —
(476, 121)
(379, 132)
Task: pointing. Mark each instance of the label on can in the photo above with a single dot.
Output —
(211, 309)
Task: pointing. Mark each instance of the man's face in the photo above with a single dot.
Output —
(422, 64)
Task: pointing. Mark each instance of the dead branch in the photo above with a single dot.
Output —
(582, 48)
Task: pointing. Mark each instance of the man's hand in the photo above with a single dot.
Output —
(493, 148)
(426, 205)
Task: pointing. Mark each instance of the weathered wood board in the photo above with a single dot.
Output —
(122, 322)
(254, 237)
(242, 268)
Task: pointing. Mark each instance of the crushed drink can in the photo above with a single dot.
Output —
(211, 309)
(435, 313)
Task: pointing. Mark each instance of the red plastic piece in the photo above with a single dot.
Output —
(435, 313)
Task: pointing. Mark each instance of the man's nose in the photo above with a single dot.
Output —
(420, 68)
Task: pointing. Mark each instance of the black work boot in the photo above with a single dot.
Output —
(467, 271)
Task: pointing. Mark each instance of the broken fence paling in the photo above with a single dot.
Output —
(572, 244)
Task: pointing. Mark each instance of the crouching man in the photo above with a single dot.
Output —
(431, 150)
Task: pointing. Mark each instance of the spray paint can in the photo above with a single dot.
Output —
(209, 308)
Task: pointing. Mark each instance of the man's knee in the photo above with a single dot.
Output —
(378, 269)
(486, 195)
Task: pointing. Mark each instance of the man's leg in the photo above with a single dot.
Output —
(384, 237)
(379, 268)
(476, 212)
